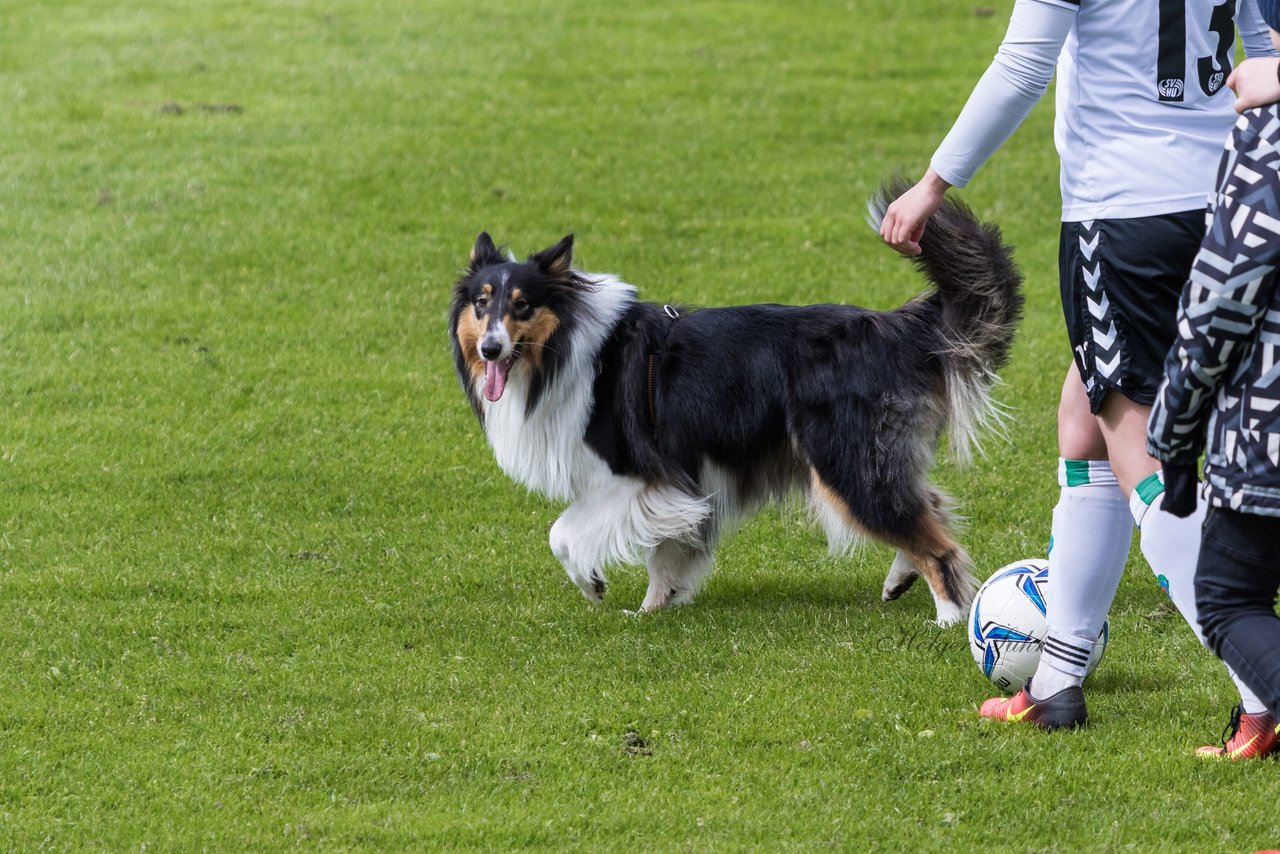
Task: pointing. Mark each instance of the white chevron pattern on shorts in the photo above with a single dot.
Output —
(1104, 338)
(1087, 249)
(1091, 277)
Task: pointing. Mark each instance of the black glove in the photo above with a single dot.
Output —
(1180, 488)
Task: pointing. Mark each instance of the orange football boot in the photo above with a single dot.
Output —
(1246, 737)
(1064, 709)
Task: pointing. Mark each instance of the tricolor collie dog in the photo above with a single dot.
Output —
(662, 428)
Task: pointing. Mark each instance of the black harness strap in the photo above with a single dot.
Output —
(654, 358)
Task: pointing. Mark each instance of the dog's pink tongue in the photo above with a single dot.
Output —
(495, 379)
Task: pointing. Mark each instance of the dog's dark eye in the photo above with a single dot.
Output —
(481, 304)
(521, 305)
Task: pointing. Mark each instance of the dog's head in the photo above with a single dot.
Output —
(510, 315)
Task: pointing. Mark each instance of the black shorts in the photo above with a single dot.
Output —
(1121, 280)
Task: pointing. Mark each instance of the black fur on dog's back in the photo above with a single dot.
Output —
(735, 385)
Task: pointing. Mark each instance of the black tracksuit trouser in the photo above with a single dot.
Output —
(1237, 578)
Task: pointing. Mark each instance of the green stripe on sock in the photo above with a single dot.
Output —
(1077, 472)
(1150, 487)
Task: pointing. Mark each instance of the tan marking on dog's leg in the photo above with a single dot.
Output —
(829, 496)
(930, 549)
(946, 567)
(833, 515)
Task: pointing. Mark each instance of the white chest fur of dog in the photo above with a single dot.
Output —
(611, 518)
(545, 450)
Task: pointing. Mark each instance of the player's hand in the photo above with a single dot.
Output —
(1181, 485)
(904, 221)
(1255, 83)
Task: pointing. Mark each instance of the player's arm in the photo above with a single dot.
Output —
(1011, 86)
(1228, 293)
(1255, 35)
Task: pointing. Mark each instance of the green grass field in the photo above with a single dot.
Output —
(262, 585)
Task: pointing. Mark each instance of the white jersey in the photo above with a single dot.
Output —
(1142, 104)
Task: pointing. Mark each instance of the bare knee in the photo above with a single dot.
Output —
(1124, 427)
(1079, 435)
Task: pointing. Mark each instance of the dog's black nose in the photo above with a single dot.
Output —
(491, 350)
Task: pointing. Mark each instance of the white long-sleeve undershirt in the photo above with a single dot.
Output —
(1011, 86)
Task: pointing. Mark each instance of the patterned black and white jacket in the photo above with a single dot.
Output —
(1222, 376)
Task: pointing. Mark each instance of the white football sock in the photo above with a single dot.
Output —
(1171, 546)
(1092, 532)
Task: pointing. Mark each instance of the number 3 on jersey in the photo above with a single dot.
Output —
(1172, 60)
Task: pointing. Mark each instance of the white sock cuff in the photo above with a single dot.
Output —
(1248, 700)
(1144, 496)
(1085, 473)
(1067, 654)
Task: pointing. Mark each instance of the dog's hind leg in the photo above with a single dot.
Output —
(931, 549)
(914, 520)
(676, 571)
(926, 541)
(945, 566)
(902, 574)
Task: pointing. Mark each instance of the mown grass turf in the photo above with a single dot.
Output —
(261, 583)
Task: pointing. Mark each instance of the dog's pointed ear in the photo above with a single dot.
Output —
(484, 252)
(555, 261)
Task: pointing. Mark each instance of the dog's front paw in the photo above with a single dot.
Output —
(661, 596)
(592, 584)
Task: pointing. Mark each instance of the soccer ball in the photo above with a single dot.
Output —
(1007, 624)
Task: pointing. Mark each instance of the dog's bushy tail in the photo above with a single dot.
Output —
(980, 290)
